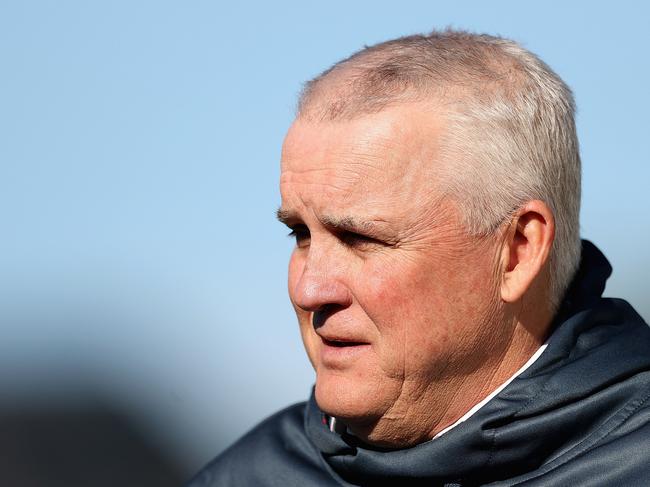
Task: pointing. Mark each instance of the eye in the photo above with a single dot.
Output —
(301, 234)
(357, 240)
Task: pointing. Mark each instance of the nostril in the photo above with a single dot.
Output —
(320, 315)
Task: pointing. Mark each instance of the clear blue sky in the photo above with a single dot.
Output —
(140, 261)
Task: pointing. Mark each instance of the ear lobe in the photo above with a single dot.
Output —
(526, 249)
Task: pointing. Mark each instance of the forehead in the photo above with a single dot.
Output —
(380, 159)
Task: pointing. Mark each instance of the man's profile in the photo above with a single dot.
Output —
(451, 312)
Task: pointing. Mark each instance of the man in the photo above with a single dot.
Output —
(445, 300)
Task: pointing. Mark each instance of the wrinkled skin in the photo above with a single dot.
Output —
(382, 261)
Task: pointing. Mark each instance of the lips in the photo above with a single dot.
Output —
(340, 351)
(337, 337)
(342, 342)
(342, 345)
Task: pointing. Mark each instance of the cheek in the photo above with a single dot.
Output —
(402, 299)
(425, 316)
(407, 308)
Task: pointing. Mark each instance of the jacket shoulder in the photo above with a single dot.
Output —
(619, 456)
(275, 452)
(614, 454)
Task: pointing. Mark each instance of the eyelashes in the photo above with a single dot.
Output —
(302, 237)
(352, 239)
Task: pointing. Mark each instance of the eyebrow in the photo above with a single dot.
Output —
(348, 223)
(285, 216)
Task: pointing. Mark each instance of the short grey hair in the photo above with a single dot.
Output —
(510, 137)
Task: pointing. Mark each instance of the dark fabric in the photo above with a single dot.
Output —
(580, 415)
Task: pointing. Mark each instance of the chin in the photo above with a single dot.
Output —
(350, 398)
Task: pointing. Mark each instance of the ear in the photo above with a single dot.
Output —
(526, 248)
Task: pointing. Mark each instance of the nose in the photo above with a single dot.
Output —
(321, 285)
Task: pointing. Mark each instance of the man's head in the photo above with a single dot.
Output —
(432, 183)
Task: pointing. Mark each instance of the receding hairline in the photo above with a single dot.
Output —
(447, 66)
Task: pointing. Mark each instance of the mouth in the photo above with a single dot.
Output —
(341, 343)
(340, 353)
(341, 346)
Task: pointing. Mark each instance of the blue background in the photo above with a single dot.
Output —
(140, 262)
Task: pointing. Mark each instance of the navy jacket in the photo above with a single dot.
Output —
(579, 416)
